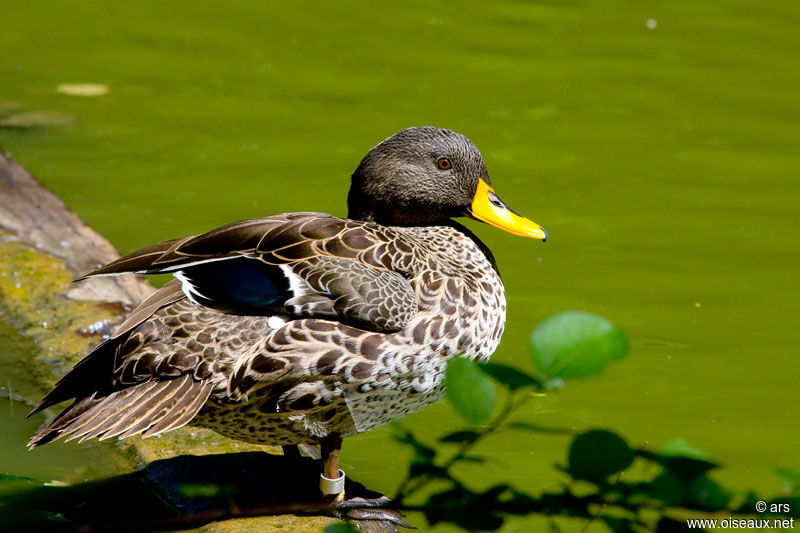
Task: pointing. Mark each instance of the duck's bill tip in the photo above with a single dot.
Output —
(489, 208)
(536, 232)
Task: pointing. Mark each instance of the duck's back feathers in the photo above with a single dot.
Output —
(297, 264)
(277, 240)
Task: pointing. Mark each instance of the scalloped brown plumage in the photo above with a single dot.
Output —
(304, 327)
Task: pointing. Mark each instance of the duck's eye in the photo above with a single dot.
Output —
(444, 164)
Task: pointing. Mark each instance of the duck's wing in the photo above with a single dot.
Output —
(117, 396)
(297, 264)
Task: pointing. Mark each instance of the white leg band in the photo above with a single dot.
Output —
(331, 486)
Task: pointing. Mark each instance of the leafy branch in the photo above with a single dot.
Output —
(567, 346)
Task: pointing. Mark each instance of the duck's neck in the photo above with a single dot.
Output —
(359, 207)
(474, 238)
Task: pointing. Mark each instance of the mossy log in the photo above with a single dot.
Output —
(43, 247)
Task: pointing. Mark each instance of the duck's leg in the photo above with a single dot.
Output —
(332, 480)
(358, 508)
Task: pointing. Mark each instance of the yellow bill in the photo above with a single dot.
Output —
(488, 207)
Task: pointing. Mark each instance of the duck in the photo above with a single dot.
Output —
(306, 328)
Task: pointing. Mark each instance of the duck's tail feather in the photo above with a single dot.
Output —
(94, 369)
(148, 408)
(93, 372)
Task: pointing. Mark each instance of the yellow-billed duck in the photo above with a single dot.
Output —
(306, 327)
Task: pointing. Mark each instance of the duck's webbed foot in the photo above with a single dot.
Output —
(362, 504)
(360, 508)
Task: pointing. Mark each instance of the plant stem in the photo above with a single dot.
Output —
(411, 485)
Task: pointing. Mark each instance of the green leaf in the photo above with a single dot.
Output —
(470, 459)
(686, 468)
(667, 488)
(667, 524)
(510, 377)
(597, 454)
(617, 524)
(429, 470)
(681, 448)
(469, 390)
(461, 437)
(747, 503)
(462, 507)
(681, 459)
(703, 493)
(421, 451)
(789, 479)
(536, 428)
(576, 344)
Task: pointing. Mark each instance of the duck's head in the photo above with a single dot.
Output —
(423, 176)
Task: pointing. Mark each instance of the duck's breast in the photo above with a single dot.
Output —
(461, 296)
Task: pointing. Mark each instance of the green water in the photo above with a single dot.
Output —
(657, 142)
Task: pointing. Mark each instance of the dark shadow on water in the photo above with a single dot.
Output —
(178, 493)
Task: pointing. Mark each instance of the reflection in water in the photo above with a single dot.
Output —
(177, 493)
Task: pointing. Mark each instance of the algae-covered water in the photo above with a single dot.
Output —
(659, 144)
